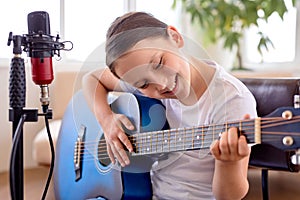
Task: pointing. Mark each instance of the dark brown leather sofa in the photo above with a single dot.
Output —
(270, 94)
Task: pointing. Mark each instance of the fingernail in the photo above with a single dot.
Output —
(131, 127)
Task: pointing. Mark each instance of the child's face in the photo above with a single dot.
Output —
(157, 68)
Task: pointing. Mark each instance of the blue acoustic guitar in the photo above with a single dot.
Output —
(84, 171)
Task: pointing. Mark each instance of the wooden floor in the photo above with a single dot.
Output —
(282, 185)
(34, 183)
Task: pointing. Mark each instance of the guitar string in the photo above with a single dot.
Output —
(188, 135)
(145, 135)
(203, 129)
(201, 142)
(163, 149)
(102, 155)
(89, 156)
(195, 142)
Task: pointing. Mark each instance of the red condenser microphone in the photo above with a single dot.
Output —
(41, 48)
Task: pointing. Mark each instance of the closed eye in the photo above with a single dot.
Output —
(144, 85)
(159, 64)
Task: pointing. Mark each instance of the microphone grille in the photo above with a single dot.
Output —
(38, 23)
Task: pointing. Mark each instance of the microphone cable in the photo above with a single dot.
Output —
(45, 110)
(16, 139)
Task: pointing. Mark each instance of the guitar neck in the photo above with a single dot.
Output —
(192, 138)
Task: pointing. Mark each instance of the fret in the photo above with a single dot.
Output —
(221, 128)
(197, 138)
(151, 145)
(156, 143)
(213, 132)
(159, 145)
(166, 141)
(148, 143)
(134, 142)
(184, 140)
(137, 143)
(165, 144)
(169, 140)
(202, 136)
(143, 143)
(179, 140)
(193, 141)
(172, 141)
(209, 135)
(189, 138)
(175, 139)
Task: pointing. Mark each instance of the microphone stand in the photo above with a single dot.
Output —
(18, 115)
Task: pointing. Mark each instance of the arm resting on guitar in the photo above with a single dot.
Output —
(96, 86)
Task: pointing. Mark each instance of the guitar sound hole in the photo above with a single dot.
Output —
(103, 157)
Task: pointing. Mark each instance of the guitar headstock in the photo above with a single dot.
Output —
(281, 128)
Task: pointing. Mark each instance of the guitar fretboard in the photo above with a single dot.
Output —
(183, 139)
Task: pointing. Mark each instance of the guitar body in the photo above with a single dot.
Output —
(80, 174)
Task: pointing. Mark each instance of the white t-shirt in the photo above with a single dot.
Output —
(188, 175)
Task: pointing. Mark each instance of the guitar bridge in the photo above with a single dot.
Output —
(78, 153)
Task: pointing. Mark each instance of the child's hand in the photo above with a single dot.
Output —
(230, 146)
(116, 139)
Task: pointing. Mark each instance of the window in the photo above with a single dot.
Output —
(282, 35)
(83, 22)
(87, 29)
(86, 23)
(155, 7)
(14, 19)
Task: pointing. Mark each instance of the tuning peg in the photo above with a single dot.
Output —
(296, 158)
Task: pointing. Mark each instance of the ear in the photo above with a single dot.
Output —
(175, 36)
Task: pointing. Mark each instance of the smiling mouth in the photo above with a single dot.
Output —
(172, 89)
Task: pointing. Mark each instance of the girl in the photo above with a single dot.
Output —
(144, 55)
